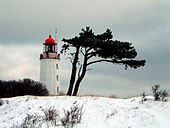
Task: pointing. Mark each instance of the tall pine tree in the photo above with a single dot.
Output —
(95, 49)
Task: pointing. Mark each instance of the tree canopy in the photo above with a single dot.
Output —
(90, 48)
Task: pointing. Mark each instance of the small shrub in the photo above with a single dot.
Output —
(51, 115)
(31, 121)
(143, 97)
(113, 96)
(164, 95)
(156, 92)
(1, 102)
(72, 117)
(159, 95)
(7, 102)
(35, 121)
(61, 93)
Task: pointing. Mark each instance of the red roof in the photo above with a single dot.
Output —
(50, 40)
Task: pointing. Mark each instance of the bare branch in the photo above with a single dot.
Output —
(79, 71)
(130, 63)
(102, 60)
(71, 60)
(82, 51)
(88, 69)
(72, 54)
(90, 56)
(88, 49)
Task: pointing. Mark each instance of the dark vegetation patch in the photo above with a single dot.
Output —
(22, 87)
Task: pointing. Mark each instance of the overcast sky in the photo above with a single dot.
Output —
(25, 24)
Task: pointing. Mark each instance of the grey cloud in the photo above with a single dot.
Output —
(27, 21)
(144, 23)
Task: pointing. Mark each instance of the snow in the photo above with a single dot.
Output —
(98, 112)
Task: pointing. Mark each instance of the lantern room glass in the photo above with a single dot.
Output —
(49, 48)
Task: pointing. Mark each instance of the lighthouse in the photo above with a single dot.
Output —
(49, 66)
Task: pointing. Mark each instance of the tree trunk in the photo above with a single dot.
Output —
(73, 73)
(76, 88)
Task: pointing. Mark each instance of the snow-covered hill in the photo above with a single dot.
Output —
(97, 112)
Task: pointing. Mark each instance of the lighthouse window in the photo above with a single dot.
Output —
(57, 78)
(56, 66)
(46, 48)
(57, 89)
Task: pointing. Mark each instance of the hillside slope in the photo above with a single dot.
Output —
(97, 112)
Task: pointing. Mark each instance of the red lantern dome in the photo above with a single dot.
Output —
(50, 49)
(50, 40)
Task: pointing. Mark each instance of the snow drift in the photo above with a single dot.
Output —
(97, 112)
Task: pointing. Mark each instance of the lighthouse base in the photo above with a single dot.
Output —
(49, 75)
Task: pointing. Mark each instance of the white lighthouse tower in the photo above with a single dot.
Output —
(49, 66)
